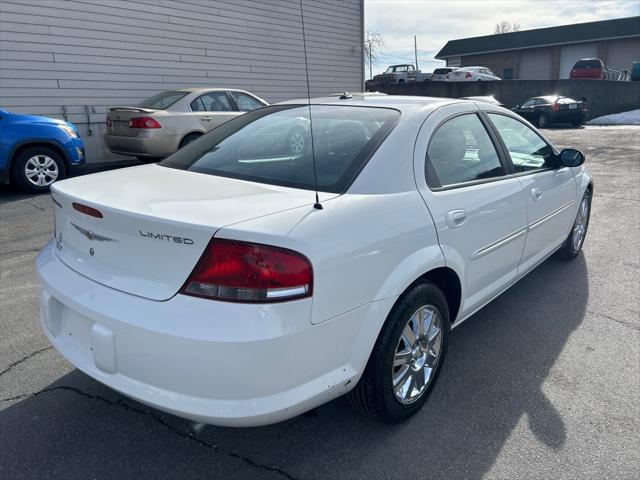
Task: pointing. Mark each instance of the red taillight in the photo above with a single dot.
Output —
(143, 122)
(555, 107)
(467, 75)
(92, 212)
(109, 122)
(249, 272)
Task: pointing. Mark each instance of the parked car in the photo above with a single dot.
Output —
(239, 283)
(544, 111)
(36, 151)
(486, 99)
(167, 121)
(635, 71)
(440, 74)
(471, 74)
(595, 69)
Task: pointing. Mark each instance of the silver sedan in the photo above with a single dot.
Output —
(167, 121)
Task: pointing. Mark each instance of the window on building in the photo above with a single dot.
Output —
(507, 74)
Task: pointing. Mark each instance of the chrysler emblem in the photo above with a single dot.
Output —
(92, 235)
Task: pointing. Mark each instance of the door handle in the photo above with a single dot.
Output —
(207, 118)
(537, 193)
(456, 218)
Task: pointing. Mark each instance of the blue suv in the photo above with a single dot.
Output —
(37, 151)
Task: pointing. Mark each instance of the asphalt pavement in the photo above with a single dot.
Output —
(544, 382)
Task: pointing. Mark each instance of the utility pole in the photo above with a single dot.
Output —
(415, 50)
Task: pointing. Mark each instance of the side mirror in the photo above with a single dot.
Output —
(570, 157)
(517, 106)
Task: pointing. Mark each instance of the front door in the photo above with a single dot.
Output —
(479, 209)
(550, 190)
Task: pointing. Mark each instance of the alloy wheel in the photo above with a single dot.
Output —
(417, 354)
(41, 170)
(580, 225)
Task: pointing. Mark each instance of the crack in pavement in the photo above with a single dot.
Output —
(24, 359)
(18, 252)
(157, 418)
(28, 202)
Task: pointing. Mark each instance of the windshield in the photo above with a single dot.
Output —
(162, 100)
(273, 145)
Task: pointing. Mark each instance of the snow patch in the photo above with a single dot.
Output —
(631, 117)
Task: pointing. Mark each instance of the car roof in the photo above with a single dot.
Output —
(208, 89)
(404, 103)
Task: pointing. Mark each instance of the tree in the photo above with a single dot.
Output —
(507, 27)
(373, 42)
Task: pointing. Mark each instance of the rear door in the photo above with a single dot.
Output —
(550, 190)
(213, 109)
(479, 209)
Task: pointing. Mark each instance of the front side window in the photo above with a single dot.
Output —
(273, 145)
(245, 102)
(461, 151)
(530, 103)
(527, 150)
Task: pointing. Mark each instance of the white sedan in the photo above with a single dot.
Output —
(472, 74)
(216, 287)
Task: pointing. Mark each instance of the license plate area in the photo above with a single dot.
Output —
(573, 106)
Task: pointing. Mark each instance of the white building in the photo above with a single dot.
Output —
(75, 58)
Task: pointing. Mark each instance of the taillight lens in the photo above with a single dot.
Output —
(237, 271)
(555, 107)
(467, 75)
(87, 210)
(109, 122)
(143, 122)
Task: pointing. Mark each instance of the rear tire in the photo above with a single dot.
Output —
(542, 121)
(189, 138)
(36, 168)
(576, 123)
(573, 244)
(386, 389)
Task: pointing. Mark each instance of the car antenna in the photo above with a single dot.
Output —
(317, 205)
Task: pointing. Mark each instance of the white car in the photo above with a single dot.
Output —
(215, 287)
(471, 74)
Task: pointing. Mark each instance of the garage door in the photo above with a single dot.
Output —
(621, 55)
(570, 55)
(535, 65)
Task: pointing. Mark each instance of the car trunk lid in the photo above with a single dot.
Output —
(153, 223)
(118, 119)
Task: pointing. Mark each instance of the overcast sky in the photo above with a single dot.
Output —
(437, 21)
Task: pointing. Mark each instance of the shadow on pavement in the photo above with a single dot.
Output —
(492, 381)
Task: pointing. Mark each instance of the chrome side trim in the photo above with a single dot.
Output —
(496, 245)
(549, 216)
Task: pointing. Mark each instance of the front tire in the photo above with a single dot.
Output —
(36, 168)
(573, 244)
(407, 357)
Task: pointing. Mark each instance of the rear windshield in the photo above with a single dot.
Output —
(274, 145)
(440, 71)
(162, 100)
(588, 64)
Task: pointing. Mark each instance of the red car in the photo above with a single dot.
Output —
(595, 69)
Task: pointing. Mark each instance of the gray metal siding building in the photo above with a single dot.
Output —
(77, 57)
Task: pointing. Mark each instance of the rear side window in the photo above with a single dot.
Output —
(212, 102)
(162, 100)
(461, 151)
(245, 102)
(527, 150)
(273, 145)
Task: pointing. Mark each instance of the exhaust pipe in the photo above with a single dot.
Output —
(195, 428)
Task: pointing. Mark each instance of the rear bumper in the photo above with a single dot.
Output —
(213, 362)
(154, 143)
